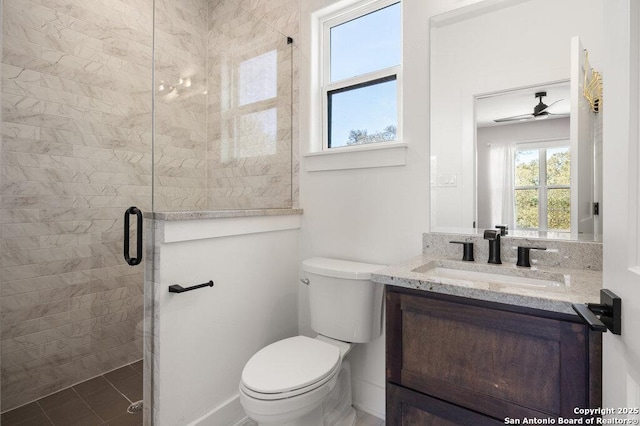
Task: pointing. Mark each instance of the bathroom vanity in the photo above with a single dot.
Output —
(463, 351)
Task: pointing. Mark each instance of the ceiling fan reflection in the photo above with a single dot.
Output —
(540, 111)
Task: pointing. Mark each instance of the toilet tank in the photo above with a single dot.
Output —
(344, 303)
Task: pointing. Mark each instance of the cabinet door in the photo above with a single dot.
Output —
(409, 408)
(499, 363)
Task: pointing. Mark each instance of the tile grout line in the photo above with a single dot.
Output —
(69, 387)
(87, 404)
(118, 390)
(45, 413)
(37, 402)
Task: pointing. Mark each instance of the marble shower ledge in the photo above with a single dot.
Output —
(218, 214)
(584, 286)
(173, 227)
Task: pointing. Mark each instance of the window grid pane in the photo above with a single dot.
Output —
(558, 166)
(364, 113)
(368, 43)
(526, 201)
(527, 171)
(559, 209)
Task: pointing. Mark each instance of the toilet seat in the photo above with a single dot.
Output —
(290, 367)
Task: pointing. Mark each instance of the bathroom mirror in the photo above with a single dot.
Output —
(495, 159)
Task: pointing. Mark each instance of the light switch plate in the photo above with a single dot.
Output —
(447, 179)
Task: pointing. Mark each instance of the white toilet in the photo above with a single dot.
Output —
(303, 381)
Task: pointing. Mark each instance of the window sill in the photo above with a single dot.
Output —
(360, 157)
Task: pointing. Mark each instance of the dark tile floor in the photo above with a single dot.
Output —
(102, 400)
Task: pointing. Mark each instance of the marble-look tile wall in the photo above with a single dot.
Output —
(250, 107)
(180, 109)
(76, 152)
(226, 126)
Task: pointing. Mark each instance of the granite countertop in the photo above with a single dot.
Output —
(581, 285)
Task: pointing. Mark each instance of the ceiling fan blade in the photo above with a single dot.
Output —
(549, 106)
(515, 118)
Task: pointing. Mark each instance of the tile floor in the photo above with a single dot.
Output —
(102, 400)
(365, 419)
(362, 419)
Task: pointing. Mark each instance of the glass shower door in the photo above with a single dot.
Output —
(75, 154)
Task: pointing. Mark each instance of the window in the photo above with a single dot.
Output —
(542, 187)
(362, 50)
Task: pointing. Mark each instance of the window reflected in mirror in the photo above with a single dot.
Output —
(542, 192)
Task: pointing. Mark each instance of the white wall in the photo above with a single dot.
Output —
(203, 338)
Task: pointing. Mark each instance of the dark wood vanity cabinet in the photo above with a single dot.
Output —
(459, 361)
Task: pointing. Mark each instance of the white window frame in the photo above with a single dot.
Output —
(542, 187)
(333, 20)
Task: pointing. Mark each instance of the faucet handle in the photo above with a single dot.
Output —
(523, 255)
(504, 229)
(467, 250)
(491, 234)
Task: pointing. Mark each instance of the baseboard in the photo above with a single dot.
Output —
(229, 413)
(367, 397)
(370, 398)
(241, 422)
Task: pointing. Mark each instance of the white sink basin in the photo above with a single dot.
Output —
(482, 276)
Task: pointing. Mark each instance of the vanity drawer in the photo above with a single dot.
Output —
(497, 362)
(409, 408)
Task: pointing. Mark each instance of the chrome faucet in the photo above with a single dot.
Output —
(494, 245)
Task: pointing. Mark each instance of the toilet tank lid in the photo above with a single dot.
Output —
(339, 268)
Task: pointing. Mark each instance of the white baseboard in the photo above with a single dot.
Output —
(367, 397)
(242, 421)
(370, 398)
(228, 413)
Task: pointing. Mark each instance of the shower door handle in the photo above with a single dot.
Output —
(133, 260)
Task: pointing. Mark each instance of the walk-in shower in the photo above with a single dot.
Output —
(107, 104)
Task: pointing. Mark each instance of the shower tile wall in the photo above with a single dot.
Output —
(76, 152)
(249, 119)
(216, 146)
(181, 93)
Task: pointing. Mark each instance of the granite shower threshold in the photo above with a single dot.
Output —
(219, 214)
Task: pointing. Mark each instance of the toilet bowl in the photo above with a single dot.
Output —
(287, 382)
(303, 381)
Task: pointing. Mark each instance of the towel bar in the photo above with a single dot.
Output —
(176, 288)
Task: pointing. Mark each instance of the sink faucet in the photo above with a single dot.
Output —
(523, 255)
(504, 229)
(494, 245)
